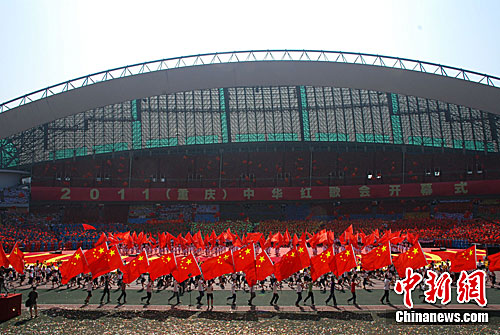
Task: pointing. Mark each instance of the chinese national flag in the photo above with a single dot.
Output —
(377, 258)
(386, 237)
(102, 239)
(370, 239)
(88, 227)
(162, 238)
(162, 266)
(218, 266)
(133, 270)
(4, 261)
(344, 261)
(494, 262)
(414, 258)
(187, 267)
(16, 259)
(244, 260)
(464, 260)
(293, 261)
(73, 266)
(253, 237)
(96, 259)
(264, 267)
(346, 235)
(322, 263)
(113, 262)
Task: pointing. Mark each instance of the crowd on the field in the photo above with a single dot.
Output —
(45, 233)
(49, 276)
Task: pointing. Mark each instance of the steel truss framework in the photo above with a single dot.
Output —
(256, 114)
(253, 56)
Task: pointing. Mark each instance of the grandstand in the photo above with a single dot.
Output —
(255, 136)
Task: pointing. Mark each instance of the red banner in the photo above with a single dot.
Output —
(469, 188)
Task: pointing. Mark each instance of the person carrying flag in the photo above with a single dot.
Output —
(252, 295)
(149, 291)
(210, 295)
(201, 289)
(107, 287)
(89, 290)
(233, 292)
(354, 282)
(332, 293)
(175, 291)
(387, 287)
(298, 289)
(123, 287)
(274, 299)
(310, 294)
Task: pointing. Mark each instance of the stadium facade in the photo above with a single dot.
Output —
(258, 119)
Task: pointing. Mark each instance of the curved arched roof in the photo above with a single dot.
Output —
(245, 68)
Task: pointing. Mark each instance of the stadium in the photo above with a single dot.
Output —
(201, 141)
(268, 170)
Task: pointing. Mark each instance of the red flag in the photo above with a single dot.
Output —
(362, 235)
(75, 265)
(295, 240)
(377, 258)
(264, 266)
(162, 266)
(110, 261)
(133, 270)
(331, 237)
(322, 263)
(344, 261)
(102, 239)
(346, 235)
(386, 237)
(187, 267)
(218, 266)
(113, 239)
(354, 240)
(293, 261)
(88, 227)
(412, 239)
(370, 239)
(464, 260)
(16, 259)
(286, 237)
(244, 260)
(198, 240)
(253, 237)
(4, 261)
(237, 242)
(96, 259)
(414, 258)
(126, 239)
(494, 262)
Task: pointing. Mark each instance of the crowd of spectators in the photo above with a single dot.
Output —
(15, 195)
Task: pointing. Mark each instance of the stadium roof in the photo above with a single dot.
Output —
(251, 68)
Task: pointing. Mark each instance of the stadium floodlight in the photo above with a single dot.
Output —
(369, 175)
(437, 173)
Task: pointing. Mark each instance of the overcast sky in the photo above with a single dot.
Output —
(45, 42)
